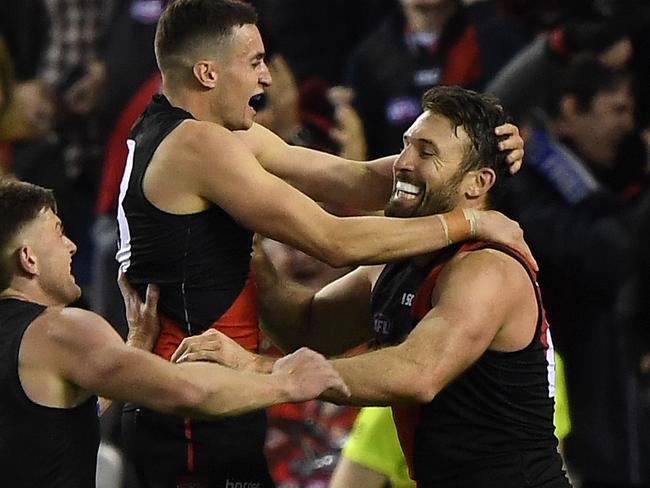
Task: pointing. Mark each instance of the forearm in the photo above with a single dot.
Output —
(138, 340)
(383, 377)
(284, 308)
(227, 392)
(376, 240)
(196, 389)
(331, 179)
(331, 321)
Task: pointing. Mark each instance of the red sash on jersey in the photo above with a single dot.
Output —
(239, 322)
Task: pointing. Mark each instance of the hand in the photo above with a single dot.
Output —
(83, 96)
(511, 141)
(348, 132)
(35, 104)
(309, 375)
(496, 227)
(266, 275)
(144, 324)
(215, 347)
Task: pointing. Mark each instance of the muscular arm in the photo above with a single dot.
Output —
(481, 301)
(217, 167)
(331, 321)
(328, 178)
(323, 177)
(83, 350)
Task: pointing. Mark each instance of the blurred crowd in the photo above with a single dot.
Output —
(347, 78)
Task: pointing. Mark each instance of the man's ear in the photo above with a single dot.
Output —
(27, 261)
(206, 73)
(478, 183)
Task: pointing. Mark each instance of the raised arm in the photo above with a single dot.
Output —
(81, 349)
(483, 300)
(219, 168)
(322, 176)
(331, 179)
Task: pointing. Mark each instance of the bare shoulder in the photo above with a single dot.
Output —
(70, 325)
(266, 145)
(196, 137)
(490, 271)
(492, 290)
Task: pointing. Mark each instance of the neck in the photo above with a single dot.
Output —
(193, 101)
(33, 295)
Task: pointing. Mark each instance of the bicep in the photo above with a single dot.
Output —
(87, 352)
(470, 303)
(226, 173)
(324, 177)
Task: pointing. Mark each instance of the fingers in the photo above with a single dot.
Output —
(507, 130)
(311, 374)
(257, 243)
(529, 255)
(202, 355)
(337, 384)
(151, 299)
(125, 287)
(196, 344)
(513, 143)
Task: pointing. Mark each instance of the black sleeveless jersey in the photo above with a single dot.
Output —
(493, 425)
(40, 446)
(200, 261)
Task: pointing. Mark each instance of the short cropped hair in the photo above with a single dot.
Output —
(185, 25)
(478, 114)
(20, 203)
(584, 78)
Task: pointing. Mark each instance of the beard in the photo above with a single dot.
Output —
(439, 198)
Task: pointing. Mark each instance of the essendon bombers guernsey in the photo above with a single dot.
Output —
(40, 446)
(493, 425)
(200, 261)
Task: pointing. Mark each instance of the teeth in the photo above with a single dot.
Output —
(408, 188)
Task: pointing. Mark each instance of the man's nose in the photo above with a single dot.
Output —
(404, 161)
(265, 76)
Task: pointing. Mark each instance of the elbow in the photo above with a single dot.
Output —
(340, 259)
(422, 391)
(187, 398)
(425, 394)
(335, 252)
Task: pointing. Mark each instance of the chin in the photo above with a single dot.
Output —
(399, 211)
(73, 293)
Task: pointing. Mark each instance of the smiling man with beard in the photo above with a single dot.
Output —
(465, 353)
(199, 178)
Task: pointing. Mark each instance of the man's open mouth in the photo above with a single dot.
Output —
(406, 190)
(257, 102)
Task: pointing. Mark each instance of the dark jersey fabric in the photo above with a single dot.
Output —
(40, 446)
(493, 425)
(201, 263)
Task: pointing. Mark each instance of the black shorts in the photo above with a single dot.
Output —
(168, 452)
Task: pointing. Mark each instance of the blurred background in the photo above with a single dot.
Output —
(348, 77)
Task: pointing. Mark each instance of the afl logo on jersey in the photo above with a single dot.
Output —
(382, 325)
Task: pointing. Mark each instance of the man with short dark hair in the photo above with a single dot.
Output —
(55, 358)
(466, 357)
(200, 178)
(585, 205)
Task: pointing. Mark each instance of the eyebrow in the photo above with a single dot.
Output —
(432, 145)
